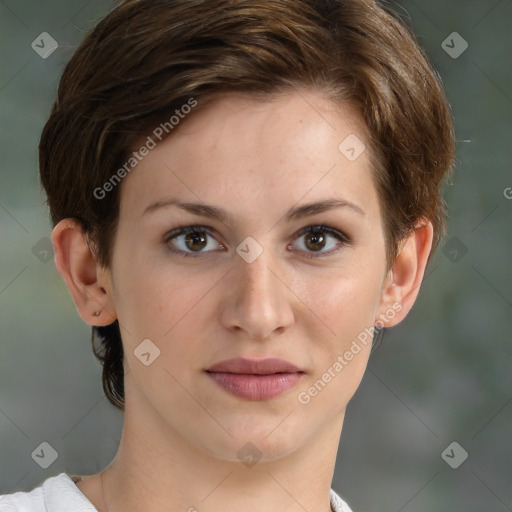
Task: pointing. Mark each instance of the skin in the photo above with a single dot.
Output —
(182, 432)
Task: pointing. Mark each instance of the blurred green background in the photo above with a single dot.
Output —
(442, 376)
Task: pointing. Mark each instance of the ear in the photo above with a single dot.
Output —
(403, 280)
(87, 281)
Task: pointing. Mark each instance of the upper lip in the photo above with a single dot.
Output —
(254, 366)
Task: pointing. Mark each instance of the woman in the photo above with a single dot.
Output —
(241, 193)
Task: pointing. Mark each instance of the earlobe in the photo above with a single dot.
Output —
(77, 264)
(403, 281)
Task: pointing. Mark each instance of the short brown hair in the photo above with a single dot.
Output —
(146, 58)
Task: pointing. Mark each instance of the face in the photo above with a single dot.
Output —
(259, 282)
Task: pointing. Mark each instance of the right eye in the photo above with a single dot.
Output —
(190, 240)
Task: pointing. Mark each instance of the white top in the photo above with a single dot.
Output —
(60, 494)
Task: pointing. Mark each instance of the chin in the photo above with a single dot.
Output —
(258, 438)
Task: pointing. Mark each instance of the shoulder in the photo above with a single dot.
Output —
(56, 494)
(23, 501)
(32, 501)
(59, 494)
(337, 504)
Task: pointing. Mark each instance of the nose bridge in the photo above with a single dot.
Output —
(254, 260)
(256, 276)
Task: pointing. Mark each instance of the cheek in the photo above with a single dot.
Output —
(347, 307)
(161, 302)
(344, 302)
(347, 304)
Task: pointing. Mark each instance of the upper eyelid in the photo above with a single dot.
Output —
(210, 230)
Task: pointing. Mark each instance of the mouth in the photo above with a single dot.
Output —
(254, 379)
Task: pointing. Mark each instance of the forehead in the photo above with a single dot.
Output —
(255, 155)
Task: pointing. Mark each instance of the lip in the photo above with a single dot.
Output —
(255, 379)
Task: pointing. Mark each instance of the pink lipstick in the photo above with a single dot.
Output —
(255, 379)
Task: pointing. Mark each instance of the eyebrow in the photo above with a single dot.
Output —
(216, 213)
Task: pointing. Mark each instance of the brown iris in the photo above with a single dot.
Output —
(314, 241)
(195, 240)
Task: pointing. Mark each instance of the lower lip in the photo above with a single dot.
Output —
(255, 387)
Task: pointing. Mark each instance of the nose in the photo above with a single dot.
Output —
(259, 301)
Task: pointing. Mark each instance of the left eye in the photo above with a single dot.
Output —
(193, 240)
(316, 239)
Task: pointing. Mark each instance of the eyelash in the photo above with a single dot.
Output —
(314, 229)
